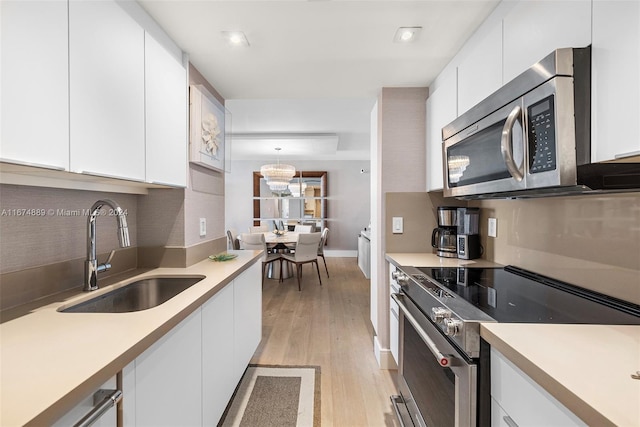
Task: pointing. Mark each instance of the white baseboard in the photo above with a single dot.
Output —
(340, 254)
(383, 356)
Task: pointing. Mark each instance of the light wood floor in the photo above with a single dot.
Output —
(329, 326)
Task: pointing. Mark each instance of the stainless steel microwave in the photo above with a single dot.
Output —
(532, 137)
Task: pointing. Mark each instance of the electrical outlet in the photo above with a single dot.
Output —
(396, 226)
(203, 227)
(493, 227)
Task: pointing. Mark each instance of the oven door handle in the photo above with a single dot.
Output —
(506, 144)
(443, 360)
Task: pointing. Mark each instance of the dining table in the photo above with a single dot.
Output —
(279, 243)
(289, 239)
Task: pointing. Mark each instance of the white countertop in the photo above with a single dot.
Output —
(587, 368)
(433, 260)
(50, 360)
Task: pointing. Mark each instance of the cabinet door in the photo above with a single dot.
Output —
(218, 374)
(441, 110)
(106, 57)
(615, 80)
(34, 83)
(394, 330)
(480, 73)
(524, 400)
(247, 316)
(533, 29)
(166, 116)
(168, 377)
(108, 419)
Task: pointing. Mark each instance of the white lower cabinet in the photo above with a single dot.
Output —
(168, 377)
(218, 380)
(108, 419)
(188, 376)
(394, 317)
(394, 329)
(517, 400)
(247, 316)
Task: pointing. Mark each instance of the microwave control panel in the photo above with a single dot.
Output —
(542, 136)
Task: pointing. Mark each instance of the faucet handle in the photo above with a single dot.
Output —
(110, 257)
(107, 264)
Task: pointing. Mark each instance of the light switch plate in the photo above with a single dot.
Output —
(203, 227)
(493, 227)
(397, 227)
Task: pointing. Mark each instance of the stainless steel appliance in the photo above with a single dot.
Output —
(532, 137)
(468, 233)
(443, 238)
(443, 364)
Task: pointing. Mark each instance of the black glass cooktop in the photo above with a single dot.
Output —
(514, 295)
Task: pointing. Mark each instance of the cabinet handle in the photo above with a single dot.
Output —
(103, 400)
(629, 154)
(104, 175)
(509, 421)
(35, 165)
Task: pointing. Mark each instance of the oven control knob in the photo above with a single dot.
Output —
(438, 314)
(394, 274)
(452, 327)
(402, 279)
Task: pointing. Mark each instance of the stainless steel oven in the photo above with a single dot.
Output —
(443, 364)
(437, 385)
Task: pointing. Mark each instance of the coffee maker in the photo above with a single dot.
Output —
(443, 238)
(468, 233)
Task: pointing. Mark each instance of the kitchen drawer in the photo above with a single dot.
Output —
(524, 400)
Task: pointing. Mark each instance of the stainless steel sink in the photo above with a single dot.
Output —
(136, 296)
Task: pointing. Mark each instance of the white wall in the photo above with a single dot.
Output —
(348, 201)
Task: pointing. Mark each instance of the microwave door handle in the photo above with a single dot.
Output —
(506, 144)
(444, 360)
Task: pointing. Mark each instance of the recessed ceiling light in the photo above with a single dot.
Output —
(235, 38)
(406, 34)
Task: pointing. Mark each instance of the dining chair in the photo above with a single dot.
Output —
(323, 240)
(232, 238)
(306, 252)
(302, 228)
(258, 229)
(256, 242)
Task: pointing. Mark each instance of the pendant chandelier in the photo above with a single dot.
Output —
(297, 189)
(277, 175)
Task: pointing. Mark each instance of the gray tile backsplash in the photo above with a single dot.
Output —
(56, 229)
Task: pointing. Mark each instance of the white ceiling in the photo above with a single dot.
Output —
(331, 52)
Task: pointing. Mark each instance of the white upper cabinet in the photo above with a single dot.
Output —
(480, 72)
(34, 83)
(166, 115)
(106, 57)
(533, 29)
(615, 80)
(441, 110)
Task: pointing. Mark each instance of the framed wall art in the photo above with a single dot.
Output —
(207, 129)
